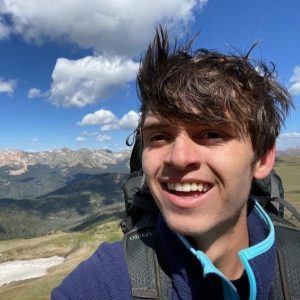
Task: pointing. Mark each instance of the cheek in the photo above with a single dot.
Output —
(149, 163)
(238, 155)
(233, 167)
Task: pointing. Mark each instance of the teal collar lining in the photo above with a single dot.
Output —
(245, 255)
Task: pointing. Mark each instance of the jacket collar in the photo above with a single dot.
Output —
(260, 253)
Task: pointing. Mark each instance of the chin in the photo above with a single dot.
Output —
(186, 225)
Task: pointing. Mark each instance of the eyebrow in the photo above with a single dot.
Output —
(155, 125)
(160, 125)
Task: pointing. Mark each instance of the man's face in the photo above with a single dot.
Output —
(199, 175)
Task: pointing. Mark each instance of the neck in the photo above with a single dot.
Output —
(223, 245)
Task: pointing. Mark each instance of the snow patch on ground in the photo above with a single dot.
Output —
(25, 269)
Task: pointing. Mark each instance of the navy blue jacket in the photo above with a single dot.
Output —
(104, 275)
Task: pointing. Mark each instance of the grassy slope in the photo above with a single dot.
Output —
(78, 246)
(75, 246)
(289, 170)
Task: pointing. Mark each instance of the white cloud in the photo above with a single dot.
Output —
(103, 138)
(117, 27)
(289, 135)
(81, 139)
(130, 120)
(99, 117)
(90, 79)
(109, 127)
(35, 139)
(7, 86)
(33, 93)
(288, 140)
(115, 31)
(88, 133)
(4, 29)
(295, 82)
(36, 93)
(109, 121)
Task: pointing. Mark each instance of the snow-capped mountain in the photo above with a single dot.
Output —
(31, 174)
(18, 161)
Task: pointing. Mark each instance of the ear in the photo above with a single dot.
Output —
(265, 164)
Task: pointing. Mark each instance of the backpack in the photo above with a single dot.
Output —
(151, 281)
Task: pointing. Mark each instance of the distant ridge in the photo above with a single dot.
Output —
(18, 161)
(27, 175)
(295, 151)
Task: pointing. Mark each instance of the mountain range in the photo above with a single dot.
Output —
(19, 161)
(59, 190)
(31, 174)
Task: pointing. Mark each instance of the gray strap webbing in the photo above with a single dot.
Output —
(287, 278)
(287, 205)
(275, 193)
(148, 279)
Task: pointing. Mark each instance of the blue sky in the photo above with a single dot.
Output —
(67, 68)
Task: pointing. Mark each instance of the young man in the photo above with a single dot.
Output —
(208, 124)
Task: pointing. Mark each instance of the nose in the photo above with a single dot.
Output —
(182, 153)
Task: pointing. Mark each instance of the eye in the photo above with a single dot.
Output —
(213, 137)
(156, 139)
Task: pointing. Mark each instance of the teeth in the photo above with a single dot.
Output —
(188, 187)
(194, 187)
(200, 187)
(178, 187)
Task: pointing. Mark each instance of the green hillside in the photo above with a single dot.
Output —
(92, 200)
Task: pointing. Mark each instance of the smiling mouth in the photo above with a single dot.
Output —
(188, 187)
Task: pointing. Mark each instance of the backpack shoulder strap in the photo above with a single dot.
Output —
(281, 201)
(287, 277)
(148, 278)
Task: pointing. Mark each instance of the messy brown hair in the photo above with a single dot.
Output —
(208, 87)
